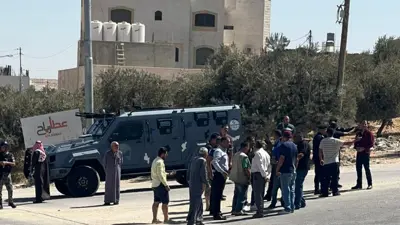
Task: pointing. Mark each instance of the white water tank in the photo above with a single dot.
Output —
(97, 30)
(138, 33)
(124, 32)
(110, 31)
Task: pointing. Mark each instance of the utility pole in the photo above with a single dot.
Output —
(342, 54)
(88, 60)
(20, 68)
(310, 39)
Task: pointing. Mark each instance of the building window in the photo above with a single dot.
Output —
(158, 15)
(121, 15)
(202, 55)
(176, 54)
(228, 27)
(204, 20)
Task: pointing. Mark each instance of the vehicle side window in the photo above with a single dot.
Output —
(221, 118)
(164, 126)
(202, 119)
(126, 131)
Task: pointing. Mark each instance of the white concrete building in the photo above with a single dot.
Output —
(195, 27)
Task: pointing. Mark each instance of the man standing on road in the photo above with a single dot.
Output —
(7, 162)
(329, 159)
(339, 132)
(363, 145)
(198, 183)
(275, 180)
(213, 143)
(317, 165)
(113, 160)
(286, 170)
(240, 175)
(303, 159)
(261, 172)
(286, 125)
(224, 133)
(40, 172)
(220, 163)
(160, 186)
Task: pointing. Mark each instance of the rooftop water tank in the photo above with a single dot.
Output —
(138, 33)
(110, 31)
(124, 32)
(97, 30)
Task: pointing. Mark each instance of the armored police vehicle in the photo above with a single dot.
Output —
(76, 165)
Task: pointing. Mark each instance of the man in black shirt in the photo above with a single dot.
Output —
(317, 166)
(6, 163)
(303, 159)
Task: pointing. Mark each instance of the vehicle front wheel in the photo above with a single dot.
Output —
(83, 181)
(180, 177)
(62, 187)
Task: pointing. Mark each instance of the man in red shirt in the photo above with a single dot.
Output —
(365, 140)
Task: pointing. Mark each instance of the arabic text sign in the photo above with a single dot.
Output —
(51, 128)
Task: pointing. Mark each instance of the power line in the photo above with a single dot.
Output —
(50, 56)
(297, 39)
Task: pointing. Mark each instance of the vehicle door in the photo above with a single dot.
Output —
(129, 135)
(167, 132)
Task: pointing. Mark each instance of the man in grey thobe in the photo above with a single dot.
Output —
(197, 177)
(112, 165)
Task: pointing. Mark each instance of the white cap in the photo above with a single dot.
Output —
(203, 150)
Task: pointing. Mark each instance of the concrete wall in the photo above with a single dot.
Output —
(73, 79)
(251, 21)
(173, 28)
(14, 81)
(250, 18)
(205, 36)
(136, 54)
(39, 84)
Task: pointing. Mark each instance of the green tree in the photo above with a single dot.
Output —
(128, 88)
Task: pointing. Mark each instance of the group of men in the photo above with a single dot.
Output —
(285, 165)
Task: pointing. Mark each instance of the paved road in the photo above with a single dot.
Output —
(377, 206)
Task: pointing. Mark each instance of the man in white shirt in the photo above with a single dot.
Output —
(329, 160)
(261, 172)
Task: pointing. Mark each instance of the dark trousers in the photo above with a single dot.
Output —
(195, 214)
(318, 175)
(330, 178)
(268, 196)
(363, 160)
(239, 197)
(338, 176)
(299, 200)
(217, 188)
(259, 190)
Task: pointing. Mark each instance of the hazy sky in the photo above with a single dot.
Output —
(48, 30)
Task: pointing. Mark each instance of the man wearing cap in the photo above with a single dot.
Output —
(286, 170)
(321, 134)
(286, 125)
(198, 183)
(7, 162)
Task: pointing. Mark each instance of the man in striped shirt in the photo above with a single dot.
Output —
(329, 160)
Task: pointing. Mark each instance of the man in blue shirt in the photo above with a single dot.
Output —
(275, 182)
(286, 170)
